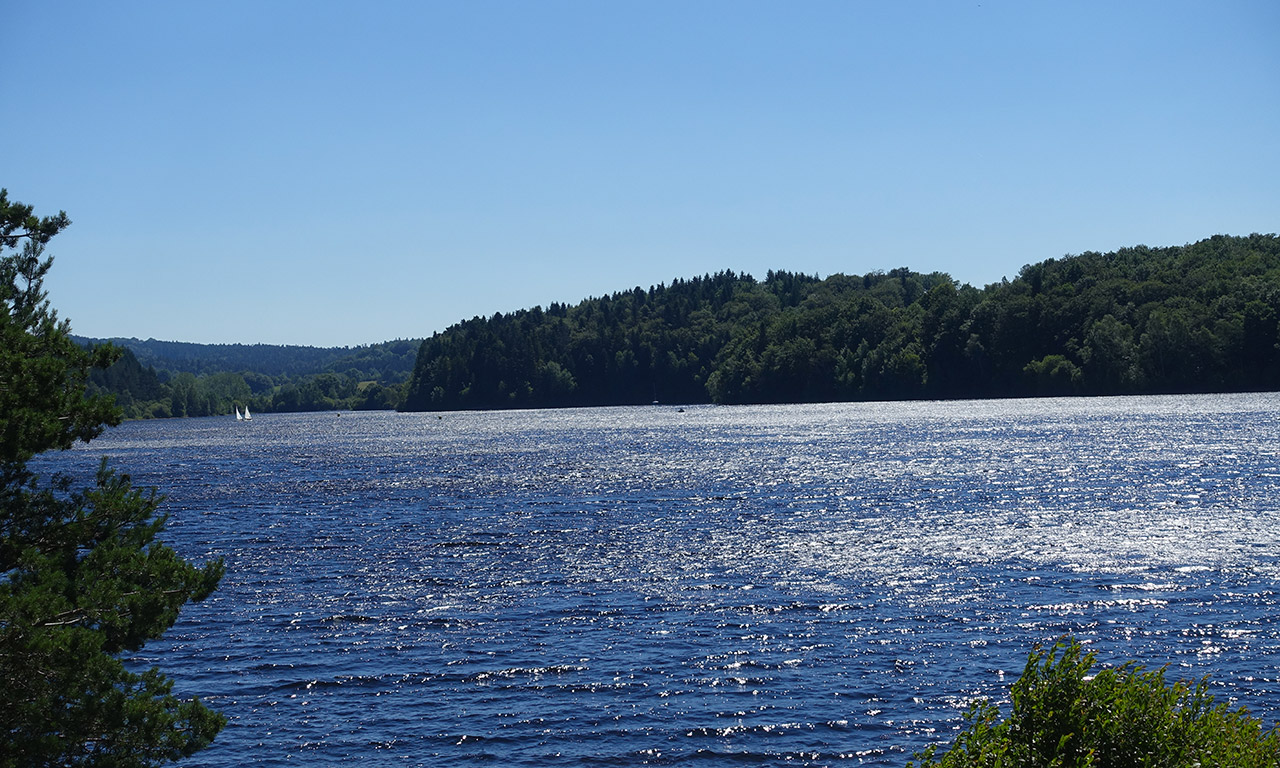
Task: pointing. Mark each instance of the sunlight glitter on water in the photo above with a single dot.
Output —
(811, 584)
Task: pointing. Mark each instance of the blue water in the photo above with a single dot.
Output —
(799, 585)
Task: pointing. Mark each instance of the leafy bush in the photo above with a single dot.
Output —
(1124, 716)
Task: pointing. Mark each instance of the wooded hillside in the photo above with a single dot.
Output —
(1195, 318)
(166, 378)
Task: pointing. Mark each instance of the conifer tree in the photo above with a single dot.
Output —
(83, 579)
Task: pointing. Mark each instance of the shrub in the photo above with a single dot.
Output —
(1124, 716)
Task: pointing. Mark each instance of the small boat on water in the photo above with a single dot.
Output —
(238, 416)
(247, 417)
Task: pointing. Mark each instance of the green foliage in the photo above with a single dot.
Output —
(1121, 717)
(1053, 375)
(389, 361)
(82, 577)
(132, 385)
(193, 382)
(1195, 318)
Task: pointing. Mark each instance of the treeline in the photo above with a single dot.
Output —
(388, 360)
(180, 379)
(1195, 318)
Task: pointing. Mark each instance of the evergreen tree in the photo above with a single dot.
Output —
(82, 577)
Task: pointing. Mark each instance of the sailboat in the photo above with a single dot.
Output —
(238, 416)
(247, 417)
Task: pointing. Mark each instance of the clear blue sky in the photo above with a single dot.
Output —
(326, 173)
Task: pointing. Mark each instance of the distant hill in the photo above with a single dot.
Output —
(1203, 317)
(1195, 318)
(170, 378)
(376, 361)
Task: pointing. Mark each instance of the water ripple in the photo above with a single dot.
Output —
(809, 585)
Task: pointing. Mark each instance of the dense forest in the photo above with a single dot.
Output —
(1195, 318)
(156, 379)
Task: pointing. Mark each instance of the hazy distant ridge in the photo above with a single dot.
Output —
(169, 378)
(268, 359)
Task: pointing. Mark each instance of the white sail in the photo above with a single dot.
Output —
(238, 416)
(247, 417)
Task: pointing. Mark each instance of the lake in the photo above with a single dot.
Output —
(800, 585)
